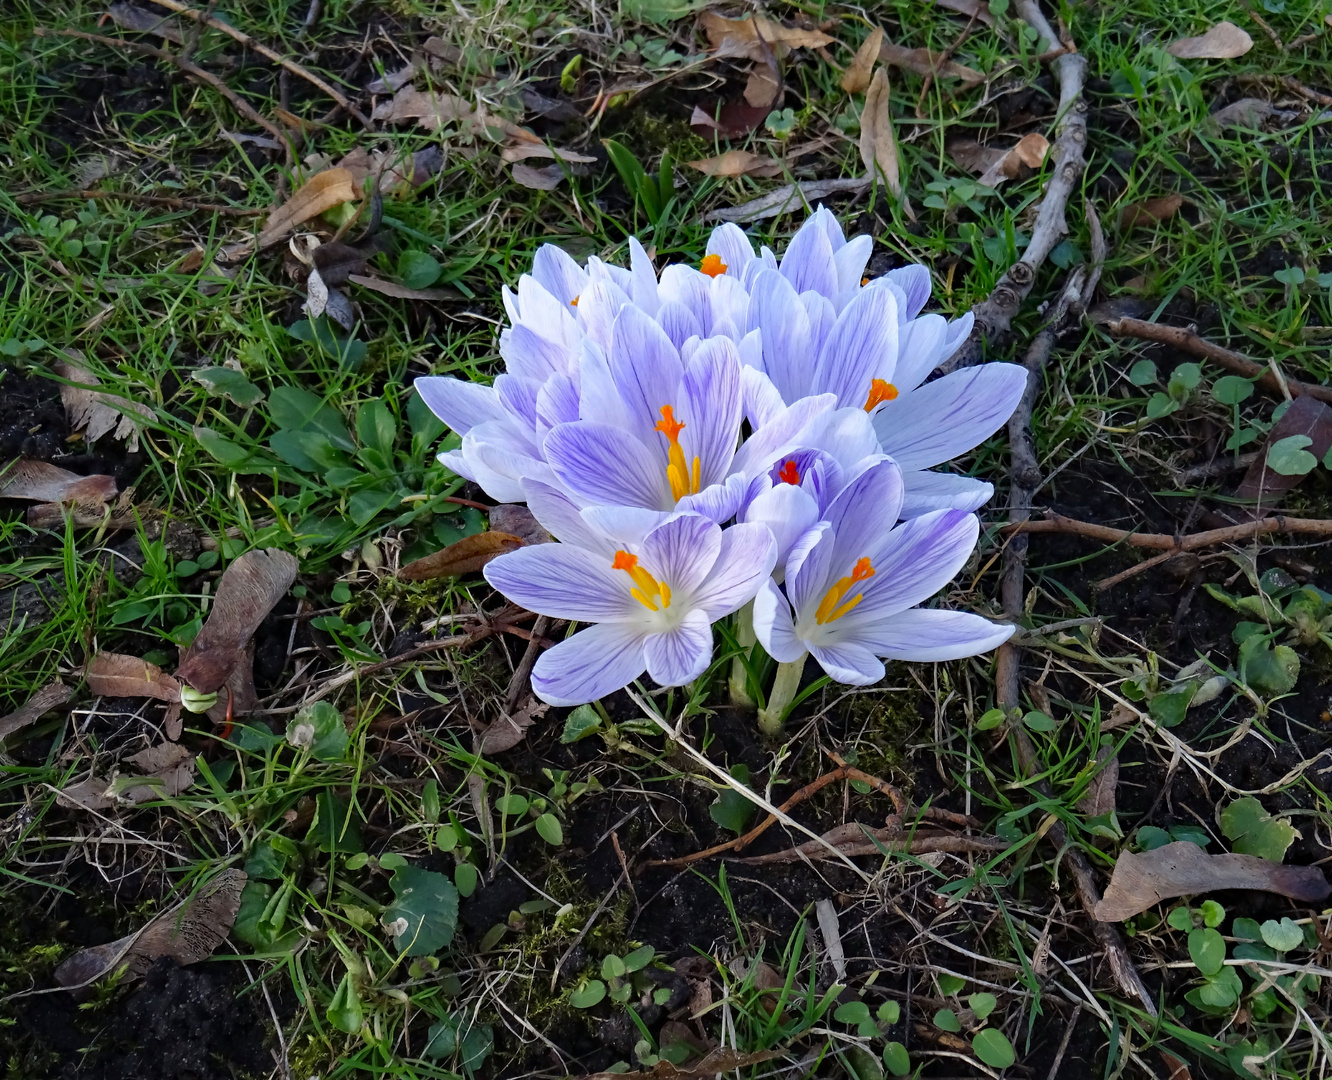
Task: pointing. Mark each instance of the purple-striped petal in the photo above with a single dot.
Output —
(847, 436)
(745, 558)
(624, 526)
(646, 368)
(558, 274)
(761, 400)
(564, 582)
(920, 346)
(787, 511)
(681, 654)
(925, 635)
(850, 260)
(560, 517)
(711, 408)
(678, 322)
(717, 502)
(598, 308)
(822, 315)
(686, 286)
(773, 625)
(527, 354)
(863, 514)
(861, 346)
(519, 397)
(550, 317)
(951, 415)
(730, 244)
(808, 262)
(601, 464)
(926, 491)
(590, 665)
(644, 288)
(915, 561)
(781, 434)
(498, 459)
(848, 662)
(557, 403)
(776, 310)
(958, 332)
(681, 551)
(460, 404)
(808, 567)
(914, 281)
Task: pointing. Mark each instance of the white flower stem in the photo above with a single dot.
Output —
(745, 636)
(784, 687)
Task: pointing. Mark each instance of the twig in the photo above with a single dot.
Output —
(263, 50)
(591, 920)
(1026, 480)
(1057, 523)
(194, 71)
(947, 55)
(1187, 341)
(857, 839)
(994, 315)
(31, 197)
(522, 673)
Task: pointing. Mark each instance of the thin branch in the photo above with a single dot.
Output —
(856, 839)
(171, 203)
(1187, 341)
(1277, 523)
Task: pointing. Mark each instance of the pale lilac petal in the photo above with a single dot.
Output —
(646, 368)
(558, 274)
(681, 551)
(552, 318)
(808, 262)
(511, 304)
(825, 219)
(644, 290)
(848, 662)
(681, 654)
(729, 306)
(861, 345)
(850, 260)
(745, 558)
(495, 462)
(787, 511)
(920, 349)
(925, 635)
(590, 665)
(776, 310)
(773, 625)
(711, 408)
(564, 582)
(599, 463)
(557, 403)
(560, 517)
(717, 502)
(686, 286)
(519, 397)
(598, 398)
(915, 561)
(459, 403)
(822, 316)
(951, 415)
(598, 308)
(780, 434)
(958, 332)
(863, 514)
(730, 244)
(678, 322)
(926, 491)
(526, 353)
(845, 435)
(808, 567)
(914, 281)
(624, 526)
(456, 462)
(762, 403)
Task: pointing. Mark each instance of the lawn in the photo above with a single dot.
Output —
(374, 852)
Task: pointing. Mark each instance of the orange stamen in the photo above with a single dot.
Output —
(647, 589)
(880, 391)
(683, 480)
(833, 606)
(712, 266)
(573, 302)
(789, 474)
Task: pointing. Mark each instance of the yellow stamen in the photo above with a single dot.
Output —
(712, 266)
(573, 302)
(833, 606)
(683, 479)
(648, 590)
(880, 391)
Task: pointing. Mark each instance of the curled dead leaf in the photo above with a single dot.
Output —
(141, 21)
(119, 675)
(1224, 41)
(160, 771)
(856, 77)
(1100, 797)
(41, 481)
(467, 556)
(547, 179)
(401, 292)
(1029, 152)
(1150, 212)
(51, 696)
(509, 730)
(755, 36)
(525, 150)
(738, 163)
(924, 62)
(188, 932)
(878, 144)
(321, 193)
(1184, 869)
(248, 590)
(95, 412)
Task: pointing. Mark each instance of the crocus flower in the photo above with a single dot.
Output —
(652, 605)
(854, 580)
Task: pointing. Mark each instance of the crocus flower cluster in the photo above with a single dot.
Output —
(749, 435)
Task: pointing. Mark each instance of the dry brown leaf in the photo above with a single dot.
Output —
(142, 21)
(508, 731)
(249, 589)
(51, 696)
(699, 119)
(118, 675)
(1248, 113)
(970, 156)
(467, 556)
(1175, 1069)
(924, 62)
(1184, 869)
(753, 37)
(433, 110)
(763, 88)
(1224, 41)
(188, 932)
(1149, 212)
(96, 413)
(517, 520)
(41, 481)
(162, 771)
(322, 192)
(397, 173)
(1029, 152)
(547, 179)
(401, 292)
(526, 150)
(973, 9)
(721, 1060)
(1100, 797)
(738, 163)
(856, 77)
(878, 145)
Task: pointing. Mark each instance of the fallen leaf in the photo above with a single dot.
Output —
(467, 556)
(878, 145)
(394, 81)
(1266, 487)
(41, 481)
(1224, 41)
(973, 9)
(430, 109)
(721, 1060)
(763, 88)
(142, 21)
(856, 77)
(699, 119)
(248, 590)
(1175, 1069)
(924, 62)
(95, 412)
(118, 675)
(336, 261)
(1184, 869)
(1029, 152)
(738, 163)
(322, 192)
(547, 179)
(323, 299)
(526, 150)
(790, 198)
(1100, 797)
(1246, 113)
(753, 37)
(508, 731)
(398, 172)
(401, 292)
(188, 932)
(517, 520)
(971, 156)
(161, 771)
(1149, 212)
(51, 696)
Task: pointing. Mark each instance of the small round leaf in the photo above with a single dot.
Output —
(896, 1059)
(982, 1004)
(550, 830)
(587, 995)
(1231, 390)
(1207, 950)
(1282, 936)
(946, 1020)
(993, 1048)
(1289, 457)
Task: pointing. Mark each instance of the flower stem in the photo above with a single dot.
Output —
(784, 687)
(745, 637)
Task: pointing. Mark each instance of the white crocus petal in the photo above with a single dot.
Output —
(779, 434)
(762, 402)
(861, 346)
(730, 244)
(850, 261)
(551, 317)
(787, 511)
(644, 289)
(914, 281)
(627, 526)
(682, 653)
(744, 561)
(558, 273)
(681, 551)
(773, 625)
(591, 664)
(926, 491)
(460, 404)
(925, 635)
(808, 261)
(920, 349)
(848, 662)
(564, 582)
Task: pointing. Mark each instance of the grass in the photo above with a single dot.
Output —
(331, 457)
